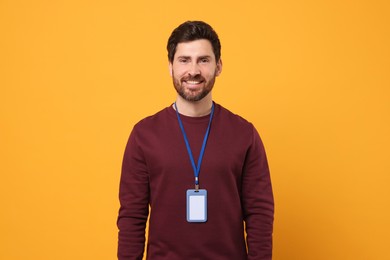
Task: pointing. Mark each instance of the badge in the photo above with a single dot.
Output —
(197, 205)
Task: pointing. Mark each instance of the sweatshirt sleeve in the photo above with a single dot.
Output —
(134, 202)
(258, 203)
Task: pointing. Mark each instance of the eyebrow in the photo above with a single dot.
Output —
(189, 57)
(205, 57)
(183, 57)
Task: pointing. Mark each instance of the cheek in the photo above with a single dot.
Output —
(178, 72)
(210, 73)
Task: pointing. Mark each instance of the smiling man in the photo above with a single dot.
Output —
(200, 169)
(194, 69)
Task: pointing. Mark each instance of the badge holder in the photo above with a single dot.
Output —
(197, 205)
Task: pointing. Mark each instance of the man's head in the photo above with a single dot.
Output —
(194, 54)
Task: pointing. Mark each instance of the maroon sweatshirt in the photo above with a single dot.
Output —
(157, 171)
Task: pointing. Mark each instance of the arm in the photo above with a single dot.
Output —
(258, 203)
(134, 201)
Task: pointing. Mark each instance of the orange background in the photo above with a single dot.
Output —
(313, 76)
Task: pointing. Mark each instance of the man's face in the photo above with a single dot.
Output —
(194, 69)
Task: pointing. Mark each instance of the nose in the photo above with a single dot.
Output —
(194, 69)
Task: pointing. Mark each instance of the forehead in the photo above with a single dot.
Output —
(195, 48)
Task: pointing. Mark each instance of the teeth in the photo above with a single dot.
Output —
(193, 82)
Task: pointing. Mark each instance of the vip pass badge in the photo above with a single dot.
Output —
(196, 198)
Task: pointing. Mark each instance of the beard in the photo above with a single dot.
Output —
(192, 95)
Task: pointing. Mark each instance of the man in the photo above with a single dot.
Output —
(201, 169)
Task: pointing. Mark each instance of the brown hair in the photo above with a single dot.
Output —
(191, 31)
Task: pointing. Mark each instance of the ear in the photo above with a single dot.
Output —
(170, 69)
(219, 68)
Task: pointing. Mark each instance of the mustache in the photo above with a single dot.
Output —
(193, 78)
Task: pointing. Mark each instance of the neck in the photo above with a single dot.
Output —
(194, 108)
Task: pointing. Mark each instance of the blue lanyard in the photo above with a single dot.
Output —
(196, 169)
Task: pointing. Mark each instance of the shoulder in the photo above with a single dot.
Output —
(228, 117)
(233, 127)
(155, 120)
(151, 128)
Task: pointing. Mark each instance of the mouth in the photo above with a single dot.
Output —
(193, 82)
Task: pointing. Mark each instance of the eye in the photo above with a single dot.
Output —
(183, 60)
(204, 60)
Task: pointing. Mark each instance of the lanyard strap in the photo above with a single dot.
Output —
(195, 168)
